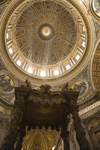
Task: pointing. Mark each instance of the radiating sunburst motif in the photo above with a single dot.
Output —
(46, 33)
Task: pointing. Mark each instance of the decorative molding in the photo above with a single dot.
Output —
(96, 68)
(89, 108)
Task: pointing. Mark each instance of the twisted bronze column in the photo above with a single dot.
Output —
(80, 134)
(65, 135)
(12, 133)
(20, 138)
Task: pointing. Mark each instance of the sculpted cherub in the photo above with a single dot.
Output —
(45, 89)
(66, 87)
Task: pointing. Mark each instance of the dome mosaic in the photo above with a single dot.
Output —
(46, 39)
(45, 33)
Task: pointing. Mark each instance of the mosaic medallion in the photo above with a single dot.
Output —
(80, 86)
(96, 7)
(6, 83)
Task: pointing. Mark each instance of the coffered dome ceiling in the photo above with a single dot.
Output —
(50, 39)
(2, 1)
(46, 33)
